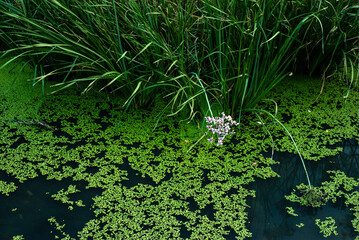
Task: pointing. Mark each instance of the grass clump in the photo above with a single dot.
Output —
(141, 50)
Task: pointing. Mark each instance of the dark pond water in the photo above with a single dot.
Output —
(268, 218)
(34, 206)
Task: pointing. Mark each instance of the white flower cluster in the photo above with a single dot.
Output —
(221, 126)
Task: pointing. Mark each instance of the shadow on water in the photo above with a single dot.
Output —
(268, 218)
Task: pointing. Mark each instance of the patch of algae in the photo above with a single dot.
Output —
(170, 197)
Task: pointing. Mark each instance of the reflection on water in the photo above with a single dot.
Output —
(267, 215)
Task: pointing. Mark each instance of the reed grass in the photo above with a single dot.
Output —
(140, 50)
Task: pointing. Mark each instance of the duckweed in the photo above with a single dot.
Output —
(300, 225)
(6, 188)
(151, 188)
(327, 227)
(62, 196)
(18, 237)
(340, 186)
(290, 211)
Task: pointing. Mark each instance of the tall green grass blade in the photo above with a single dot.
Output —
(291, 137)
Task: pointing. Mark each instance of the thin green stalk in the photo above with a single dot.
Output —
(295, 145)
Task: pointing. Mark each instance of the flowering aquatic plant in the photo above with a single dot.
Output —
(220, 126)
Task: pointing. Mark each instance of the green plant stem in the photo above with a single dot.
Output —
(295, 145)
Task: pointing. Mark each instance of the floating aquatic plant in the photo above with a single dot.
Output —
(62, 196)
(290, 211)
(340, 186)
(6, 188)
(18, 237)
(327, 227)
(300, 225)
(168, 192)
(59, 228)
(311, 196)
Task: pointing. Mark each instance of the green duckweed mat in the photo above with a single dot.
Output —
(96, 141)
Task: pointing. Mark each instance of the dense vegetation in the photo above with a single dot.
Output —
(188, 59)
(224, 55)
(127, 181)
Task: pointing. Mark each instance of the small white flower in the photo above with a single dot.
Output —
(220, 126)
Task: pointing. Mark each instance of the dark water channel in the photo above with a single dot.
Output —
(268, 218)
